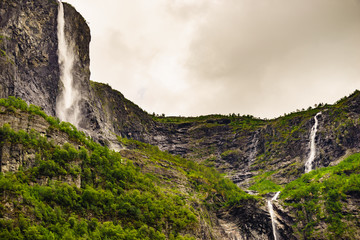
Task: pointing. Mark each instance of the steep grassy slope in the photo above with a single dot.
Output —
(81, 189)
(324, 203)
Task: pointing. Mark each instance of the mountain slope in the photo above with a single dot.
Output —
(56, 183)
(240, 146)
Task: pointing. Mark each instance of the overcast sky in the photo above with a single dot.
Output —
(196, 57)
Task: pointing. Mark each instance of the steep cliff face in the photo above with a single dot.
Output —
(77, 33)
(28, 63)
(121, 116)
(29, 46)
(29, 66)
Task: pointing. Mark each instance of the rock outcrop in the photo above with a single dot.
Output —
(29, 64)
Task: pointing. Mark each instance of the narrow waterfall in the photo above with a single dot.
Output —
(272, 214)
(308, 168)
(253, 146)
(67, 108)
(308, 164)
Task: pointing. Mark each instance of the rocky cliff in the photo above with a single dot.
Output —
(29, 65)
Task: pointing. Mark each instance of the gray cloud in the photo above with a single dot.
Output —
(276, 56)
(192, 57)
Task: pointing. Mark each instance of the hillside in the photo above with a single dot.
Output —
(56, 183)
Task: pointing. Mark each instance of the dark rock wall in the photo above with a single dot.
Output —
(120, 115)
(29, 64)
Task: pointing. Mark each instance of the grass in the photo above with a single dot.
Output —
(263, 184)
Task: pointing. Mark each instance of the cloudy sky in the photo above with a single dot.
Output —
(196, 57)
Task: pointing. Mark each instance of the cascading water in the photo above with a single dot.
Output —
(308, 168)
(308, 164)
(272, 214)
(67, 108)
(251, 159)
(253, 146)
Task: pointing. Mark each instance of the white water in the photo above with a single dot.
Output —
(272, 214)
(67, 108)
(253, 146)
(308, 168)
(308, 164)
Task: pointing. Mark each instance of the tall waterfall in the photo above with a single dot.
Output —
(67, 107)
(308, 168)
(272, 214)
(308, 164)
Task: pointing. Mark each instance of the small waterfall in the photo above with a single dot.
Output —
(253, 147)
(272, 214)
(251, 159)
(242, 177)
(308, 164)
(67, 107)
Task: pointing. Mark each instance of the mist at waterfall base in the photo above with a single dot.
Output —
(67, 107)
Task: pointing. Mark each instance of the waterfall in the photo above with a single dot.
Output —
(67, 108)
(253, 147)
(308, 164)
(308, 168)
(272, 214)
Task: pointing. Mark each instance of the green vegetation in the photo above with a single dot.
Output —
(204, 179)
(237, 122)
(180, 119)
(3, 52)
(323, 195)
(13, 104)
(263, 184)
(115, 200)
(230, 152)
